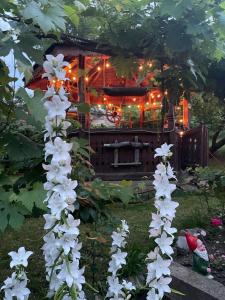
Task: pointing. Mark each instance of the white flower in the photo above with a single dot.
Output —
(71, 274)
(20, 258)
(152, 295)
(153, 254)
(161, 266)
(71, 226)
(163, 151)
(170, 230)
(124, 225)
(53, 67)
(163, 187)
(119, 258)
(57, 171)
(128, 285)
(118, 239)
(167, 208)
(115, 287)
(59, 149)
(56, 107)
(164, 243)
(157, 221)
(66, 189)
(162, 285)
(57, 204)
(50, 221)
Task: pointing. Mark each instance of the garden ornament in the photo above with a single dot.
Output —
(201, 262)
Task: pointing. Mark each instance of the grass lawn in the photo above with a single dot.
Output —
(190, 214)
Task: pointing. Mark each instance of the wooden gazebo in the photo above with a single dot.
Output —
(128, 118)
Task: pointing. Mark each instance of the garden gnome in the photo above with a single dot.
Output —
(200, 256)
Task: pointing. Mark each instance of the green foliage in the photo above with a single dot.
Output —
(211, 184)
(48, 15)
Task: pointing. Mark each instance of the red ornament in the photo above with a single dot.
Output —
(191, 241)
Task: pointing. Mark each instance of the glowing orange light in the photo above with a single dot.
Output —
(110, 104)
(54, 81)
(147, 103)
(166, 93)
(70, 71)
(62, 81)
(154, 103)
(158, 96)
(181, 120)
(119, 109)
(99, 106)
(140, 67)
(107, 65)
(74, 77)
(129, 106)
(150, 65)
(104, 99)
(86, 78)
(181, 133)
(134, 99)
(138, 106)
(99, 68)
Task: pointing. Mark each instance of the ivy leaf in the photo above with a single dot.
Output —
(34, 197)
(49, 16)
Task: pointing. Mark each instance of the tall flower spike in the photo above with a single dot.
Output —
(61, 247)
(159, 260)
(116, 289)
(15, 287)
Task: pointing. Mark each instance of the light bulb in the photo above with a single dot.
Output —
(99, 68)
(140, 67)
(107, 65)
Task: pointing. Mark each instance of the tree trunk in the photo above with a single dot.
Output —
(216, 145)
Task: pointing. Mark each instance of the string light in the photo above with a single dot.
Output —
(129, 106)
(138, 106)
(107, 65)
(147, 103)
(99, 106)
(54, 81)
(181, 133)
(134, 99)
(86, 78)
(99, 68)
(181, 120)
(104, 99)
(150, 65)
(154, 103)
(74, 77)
(158, 96)
(70, 71)
(110, 104)
(166, 93)
(140, 67)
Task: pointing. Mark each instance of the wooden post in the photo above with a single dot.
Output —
(81, 88)
(170, 117)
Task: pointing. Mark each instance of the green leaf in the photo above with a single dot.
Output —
(21, 149)
(35, 105)
(71, 12)
(49, 16)
(34, 197)
(10, 213)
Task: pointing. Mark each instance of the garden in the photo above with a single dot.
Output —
(112, 167)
